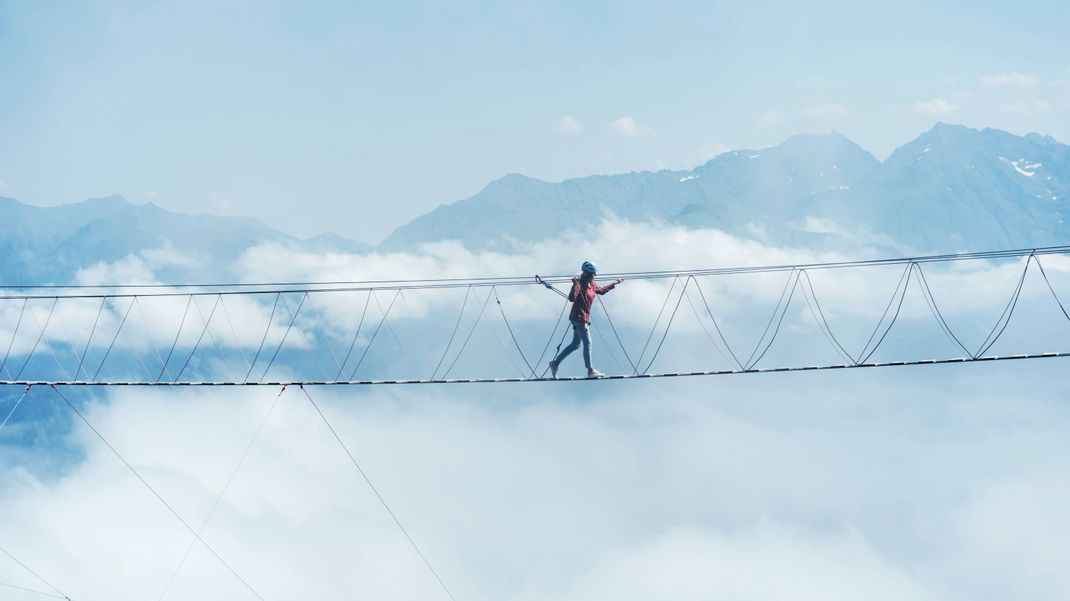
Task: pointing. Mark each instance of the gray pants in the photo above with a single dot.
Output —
(581, 332)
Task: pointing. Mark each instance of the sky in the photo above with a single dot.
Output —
(355, 117)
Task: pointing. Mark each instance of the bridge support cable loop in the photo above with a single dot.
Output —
(694, 311)
(668, 325)
(609, 320)
(148, 334)
(137, 355)
(304, 339)
(453, 334)
(111, 345)
(178, 334)
(22, 313)
(379, 496)
(468, 338)
(505, 350)
(233, 331)
(935, 310)
(326, 338)
(356, 333)
(40, 335)
(900, 292)
(512, 335)
(394, 334)
(1008, 312)
(654, 328)
(1051, 289)
(222, 493)
(156, 494)
(716, 326)
(68, 337)
(263, 339)
(419, 340)
(782, 306)
(211, 337)
(15, 406)
(197, 345)
(285, 335)
(59, 594)
(89, 341)
(819, 317)
(375, 334)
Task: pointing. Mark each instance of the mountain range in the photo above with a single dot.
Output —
(952, 188)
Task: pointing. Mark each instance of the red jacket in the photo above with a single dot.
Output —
(582, 297)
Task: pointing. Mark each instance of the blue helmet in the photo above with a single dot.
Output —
(589, 267)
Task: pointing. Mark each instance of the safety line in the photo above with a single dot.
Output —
(61, 594)
(153, 491)
(362, 285)
(379, 496)
(724, 372)
(13, 408)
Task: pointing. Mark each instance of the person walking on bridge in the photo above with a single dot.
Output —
(582, 297)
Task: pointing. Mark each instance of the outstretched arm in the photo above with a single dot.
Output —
(612, 285)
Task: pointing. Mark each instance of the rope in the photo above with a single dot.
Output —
(935, 310)
(301, 335)
(233, 332)
(613, 327)
(654, 328)
(511, 334)
(239, 288)
(1008, 312)
(378, 495)
(16, 406)
(39, 337)
(59, 593)
(219, 497)
(863, 356)
(667, 326)
(92, 331)
(293, 320)
(706, 330)
(394, 335)
(367, 300)
(1050, 288)
(211, 337)
(15, 587)
(148, 333)
(111, 345)
(263, 339)
(783, 313)
(18, 323)
(469, 337)
(456, 326)
(159, 498)
(550, 340)
(821, 320)
(368, 346)
(716, 326)
(197, 345)
(181, 325)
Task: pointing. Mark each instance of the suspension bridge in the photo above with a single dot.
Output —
(164, 350)
(166, 347)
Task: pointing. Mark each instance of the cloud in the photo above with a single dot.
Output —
(568, 125)
(710, 151)
(3, 186)
(769, 118)
(829, 109)
(568, 493)
(630, 128)
(1010, 80)
(936, 106)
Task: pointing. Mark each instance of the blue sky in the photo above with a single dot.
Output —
(356, 117)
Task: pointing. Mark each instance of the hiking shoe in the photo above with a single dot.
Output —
(594, 373)
(553, 369)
